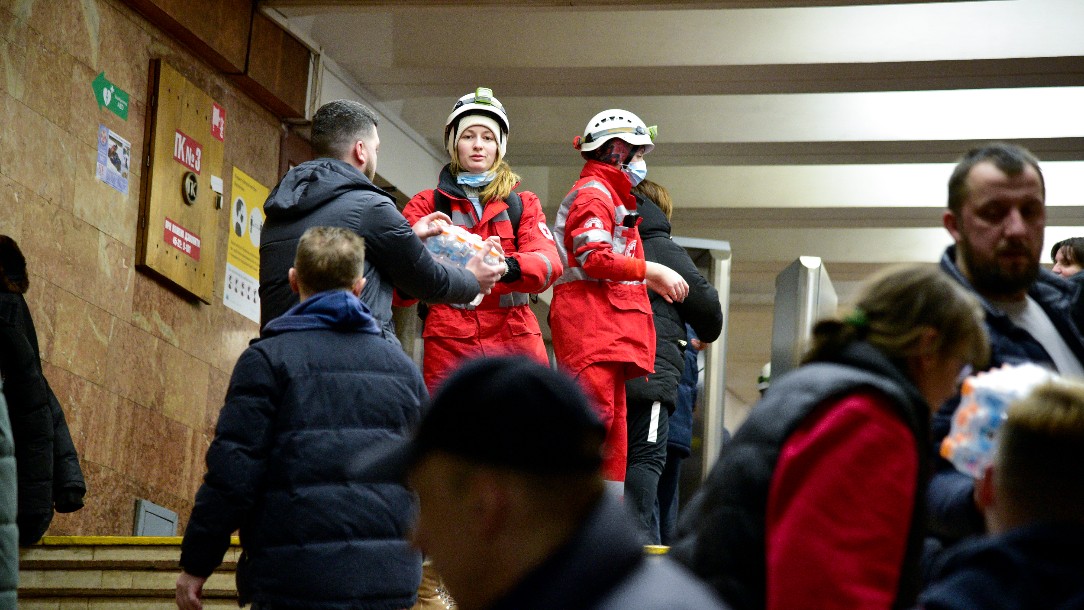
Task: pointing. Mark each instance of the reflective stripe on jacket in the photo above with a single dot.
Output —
(600, 310)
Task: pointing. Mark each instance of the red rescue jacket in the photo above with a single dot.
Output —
(600, 310)
(503, 322)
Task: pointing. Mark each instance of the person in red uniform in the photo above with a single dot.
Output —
(603, 332)
(476, 190)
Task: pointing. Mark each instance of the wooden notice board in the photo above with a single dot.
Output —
(182, 183)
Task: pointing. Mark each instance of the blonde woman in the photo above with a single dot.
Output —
(476, 191)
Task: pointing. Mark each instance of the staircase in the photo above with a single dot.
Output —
(114, 572)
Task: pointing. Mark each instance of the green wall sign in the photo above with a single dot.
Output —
(112, 97)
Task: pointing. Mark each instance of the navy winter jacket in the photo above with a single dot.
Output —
(315, 391)
(1037, 566)
(332, 193)
(952, 510)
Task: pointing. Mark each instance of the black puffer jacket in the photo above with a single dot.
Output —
(319, 388)
(329, 192)
(32, 429)
(701, 309)
(722, 532)
(64, 475)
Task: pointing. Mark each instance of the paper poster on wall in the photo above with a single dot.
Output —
(242, 291)
(114, 156)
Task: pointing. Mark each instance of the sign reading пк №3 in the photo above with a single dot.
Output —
(187, 151)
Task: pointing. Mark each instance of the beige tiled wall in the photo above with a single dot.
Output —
(141, 371)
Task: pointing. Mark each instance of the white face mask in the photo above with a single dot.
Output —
(636, 171)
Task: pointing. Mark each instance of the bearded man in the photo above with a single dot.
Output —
(997, 215)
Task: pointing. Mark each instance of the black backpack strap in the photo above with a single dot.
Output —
(515, 213)
(441, 203)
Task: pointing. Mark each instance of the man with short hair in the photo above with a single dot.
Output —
(1032, 498)
(514, 512)
(320, 385)
(997, 215)
(336, 189)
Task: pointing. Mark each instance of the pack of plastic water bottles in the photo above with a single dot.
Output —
(985, 398)
(457, 246)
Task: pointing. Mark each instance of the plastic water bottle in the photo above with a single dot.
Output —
(457, 246)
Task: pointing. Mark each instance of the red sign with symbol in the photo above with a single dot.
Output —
(182, 239)
(187, 151)
(218, 122)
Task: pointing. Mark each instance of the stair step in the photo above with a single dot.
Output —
(83, 572)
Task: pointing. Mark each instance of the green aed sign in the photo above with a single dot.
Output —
(112, 97)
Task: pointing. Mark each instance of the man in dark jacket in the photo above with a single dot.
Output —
(514, 511)
(997, 216)
(319, 386)
(652, 399)
(337, 190)
(50, 482)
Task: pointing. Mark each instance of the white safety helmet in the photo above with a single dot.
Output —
(481, 103)
(615, 123)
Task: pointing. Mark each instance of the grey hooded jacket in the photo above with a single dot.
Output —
(329, 192)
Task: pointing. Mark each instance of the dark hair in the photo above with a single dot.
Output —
(13, 276)
(329, 258)
(1008, 158)
(895, 306)
(337, 125)
(657, 193)
(1074, 250)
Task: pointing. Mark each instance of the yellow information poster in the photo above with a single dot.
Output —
(242, 291)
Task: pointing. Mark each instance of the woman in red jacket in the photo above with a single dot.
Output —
(476, 191)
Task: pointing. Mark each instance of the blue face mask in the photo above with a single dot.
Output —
(636, 171)
(475, 180)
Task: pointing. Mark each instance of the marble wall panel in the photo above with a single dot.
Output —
(82, 335)
(48, 74)
(157, 310)
(195, 466)
(12, 61)
(114, 277)
(12, 195)
(158, 451)
(71, 26)
(61, 247)
(133, 366)
(80, 400)
(109, 505)
(186, 381)
(41, 299)
(38, 155)
(217, 384)
(13, 26)
(104, 423)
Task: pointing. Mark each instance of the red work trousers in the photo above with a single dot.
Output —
(604, 384)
